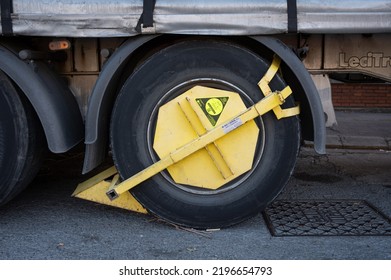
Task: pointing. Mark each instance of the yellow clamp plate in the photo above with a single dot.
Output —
(191, 115)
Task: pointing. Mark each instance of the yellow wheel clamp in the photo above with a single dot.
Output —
(208, 115)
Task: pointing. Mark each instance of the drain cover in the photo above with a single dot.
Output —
(326, 218)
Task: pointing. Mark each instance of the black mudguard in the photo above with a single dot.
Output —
(53, 102)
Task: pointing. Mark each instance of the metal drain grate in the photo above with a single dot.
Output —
(326, 218)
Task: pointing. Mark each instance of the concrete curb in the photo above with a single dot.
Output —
(358, 142)
(360, 129)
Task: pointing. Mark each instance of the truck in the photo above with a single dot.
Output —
(202, 105)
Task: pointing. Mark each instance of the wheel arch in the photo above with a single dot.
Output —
(102, 100)
(53, 102)
(297, 77)
(107, 86)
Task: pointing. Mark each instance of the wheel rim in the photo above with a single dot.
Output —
(181, 88)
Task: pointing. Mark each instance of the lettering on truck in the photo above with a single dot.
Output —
(372, 59)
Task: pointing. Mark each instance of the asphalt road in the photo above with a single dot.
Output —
(45, 222)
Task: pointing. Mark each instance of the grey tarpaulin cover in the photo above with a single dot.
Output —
(102, 18)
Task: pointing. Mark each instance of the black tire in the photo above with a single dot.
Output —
(21, 141)
(166, 75)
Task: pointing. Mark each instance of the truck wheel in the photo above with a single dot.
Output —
(169, 73)
(21, 141)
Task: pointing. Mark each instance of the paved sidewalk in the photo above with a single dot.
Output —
(359, 129)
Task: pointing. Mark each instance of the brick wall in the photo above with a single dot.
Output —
(361, 95)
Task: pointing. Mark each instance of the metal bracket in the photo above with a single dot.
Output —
(266, 90)
(148, 30)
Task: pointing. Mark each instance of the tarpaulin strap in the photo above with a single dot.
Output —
(292, 16)
(146, 18)
(6, 21)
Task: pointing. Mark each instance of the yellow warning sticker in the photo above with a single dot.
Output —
(212, 107)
